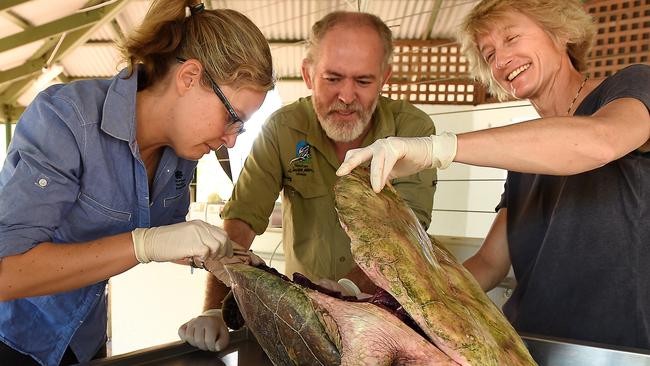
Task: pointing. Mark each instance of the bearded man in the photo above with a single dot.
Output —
(299, 150)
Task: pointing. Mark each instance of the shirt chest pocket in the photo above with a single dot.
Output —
(307, 180)
(173, 200)
(94, 208)
(306, 188)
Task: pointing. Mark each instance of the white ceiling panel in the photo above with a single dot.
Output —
(92, 60)
(8, 28)
(38, 12)
(17, 56)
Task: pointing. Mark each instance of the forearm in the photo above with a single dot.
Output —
(50, 268)
(483, 273)
(556, 146)
(239, 232)
(491, 263)
(215, 291)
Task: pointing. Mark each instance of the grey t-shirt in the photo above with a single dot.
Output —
(580, 244)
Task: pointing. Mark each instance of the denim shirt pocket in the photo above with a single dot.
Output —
(172, 201)
(102, 209)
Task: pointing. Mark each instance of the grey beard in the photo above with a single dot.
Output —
(346, 131)
(343, 132)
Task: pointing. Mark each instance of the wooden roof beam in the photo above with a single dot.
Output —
(15, 19)
(57, 27)
(7, 4)
(70, 41)
(432, 19)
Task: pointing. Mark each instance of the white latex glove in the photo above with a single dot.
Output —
(395, 157)
(345, 286)
(207, 331)
(183, 240)
(255, 260)
(216, 266)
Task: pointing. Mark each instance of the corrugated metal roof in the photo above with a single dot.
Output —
(132, 15)
(284, 22)
(38, 12)
(8, 28)
(17, 56)
(92, 60)
(292, 19)
(287, 59)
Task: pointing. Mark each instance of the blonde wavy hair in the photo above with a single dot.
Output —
(560, 19)
(331, 20)
(232, 50)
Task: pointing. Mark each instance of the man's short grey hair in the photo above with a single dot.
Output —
(356, 19)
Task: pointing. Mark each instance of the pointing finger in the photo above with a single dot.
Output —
(354, 158)
(377, 170)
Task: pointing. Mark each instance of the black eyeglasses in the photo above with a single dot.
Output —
(236, 125)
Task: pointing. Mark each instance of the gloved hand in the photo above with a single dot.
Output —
(216, 266)
(395, 157)
(207, 331)
(183, 240)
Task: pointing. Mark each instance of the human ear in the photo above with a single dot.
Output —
(305, 70)
(188, 75)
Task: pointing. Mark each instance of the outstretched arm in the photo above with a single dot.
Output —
(50, 268)
(552, 145)
(560, 145)
(59, 267)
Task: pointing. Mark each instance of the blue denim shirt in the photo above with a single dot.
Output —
(73, 173)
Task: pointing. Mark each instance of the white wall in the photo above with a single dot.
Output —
(467, 195)
(150, 301)
(291, 90)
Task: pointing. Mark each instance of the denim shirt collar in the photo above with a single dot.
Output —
(120, 106)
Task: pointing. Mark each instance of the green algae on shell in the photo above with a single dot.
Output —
(396, 253)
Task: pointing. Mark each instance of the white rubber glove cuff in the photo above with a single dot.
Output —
(211, 312)
(443, 150)
(138, 236)
(349, 286)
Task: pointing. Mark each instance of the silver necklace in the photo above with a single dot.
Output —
(577, 94)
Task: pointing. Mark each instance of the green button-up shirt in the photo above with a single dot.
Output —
(293, 155)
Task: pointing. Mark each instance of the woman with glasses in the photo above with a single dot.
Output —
(96, 179)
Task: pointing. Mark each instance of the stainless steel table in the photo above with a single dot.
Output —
(245, 351)
(242, 350)
(549, 351)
